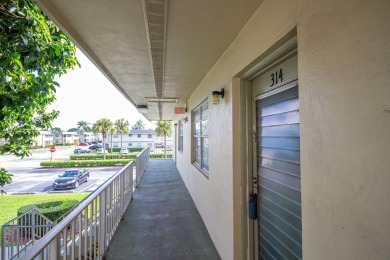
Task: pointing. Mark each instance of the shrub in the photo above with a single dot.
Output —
(135, 149)
(159, 156)
(115, 149)
(100, 156)
(85, 163)
(53, 210)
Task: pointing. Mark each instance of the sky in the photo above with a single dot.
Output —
(86, 94)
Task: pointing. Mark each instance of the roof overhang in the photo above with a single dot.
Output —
(155, 52)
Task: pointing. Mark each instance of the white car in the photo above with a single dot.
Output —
(100, 151)
(124, 150)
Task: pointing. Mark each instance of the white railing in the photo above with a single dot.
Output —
(86, 232)
(22, 232)
(142, 160)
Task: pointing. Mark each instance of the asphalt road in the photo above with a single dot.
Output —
(29, 177)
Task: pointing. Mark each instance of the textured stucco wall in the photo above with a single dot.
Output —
(343, 67)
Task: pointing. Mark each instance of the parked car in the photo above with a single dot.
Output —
(79, 150)
(100, 151)
(71, 179)
(93, 147)
(124, 150)
(83, 144)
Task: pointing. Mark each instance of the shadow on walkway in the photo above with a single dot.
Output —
(162, 221)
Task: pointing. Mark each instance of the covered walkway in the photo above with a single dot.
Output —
(162, 222)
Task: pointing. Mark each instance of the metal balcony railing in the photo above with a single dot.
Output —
(142, 160)
(86, 232)
(22, 232)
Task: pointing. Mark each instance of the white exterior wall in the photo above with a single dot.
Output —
(343, 67)
(134, 140)
(45, 138)
(69, 137)
(87, 137)
(160, 140)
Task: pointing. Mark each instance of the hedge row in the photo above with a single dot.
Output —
(100, 156)
(159, 155)
(131, 150)
(114, 156)
(85, 163)
(53, 210)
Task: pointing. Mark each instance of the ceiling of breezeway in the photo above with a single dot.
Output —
(155, 52)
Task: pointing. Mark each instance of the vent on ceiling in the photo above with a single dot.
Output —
(155, 16)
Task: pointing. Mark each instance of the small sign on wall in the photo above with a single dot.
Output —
(180, 110)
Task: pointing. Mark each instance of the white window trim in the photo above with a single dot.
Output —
(204, 171)
(181, 136)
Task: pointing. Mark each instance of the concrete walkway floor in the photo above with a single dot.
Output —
(162, 221)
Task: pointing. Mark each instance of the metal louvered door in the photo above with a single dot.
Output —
(278, 170)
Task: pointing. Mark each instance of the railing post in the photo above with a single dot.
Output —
(102, 224)
(122, 191)
(131, 174)
(32, 225)
(3, 242)
(55, 248)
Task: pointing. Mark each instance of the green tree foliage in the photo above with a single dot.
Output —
(164, 128)
(74, 129)
(33, 51)
(122, 127)
(83, 126)
(57, 129)
(139, 125)
(103, 126)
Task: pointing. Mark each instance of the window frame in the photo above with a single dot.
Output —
(180, 140)
(203, 121)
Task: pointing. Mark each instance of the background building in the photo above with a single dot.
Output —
(44, 139)
(138, 138)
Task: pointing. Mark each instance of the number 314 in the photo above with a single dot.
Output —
(276, 77)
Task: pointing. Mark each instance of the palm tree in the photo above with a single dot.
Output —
(122, 127)
(164, 128)
(103, 126)
(112, 132)
(83, 126)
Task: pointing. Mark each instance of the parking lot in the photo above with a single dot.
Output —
(29, 177)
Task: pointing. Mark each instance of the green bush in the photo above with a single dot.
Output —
(159, 156)
(115, 150)
(100, 156)
(53, 210)
(135, 149)
(131, 150)
(84, 163)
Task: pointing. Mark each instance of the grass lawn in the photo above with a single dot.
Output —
(9, 204)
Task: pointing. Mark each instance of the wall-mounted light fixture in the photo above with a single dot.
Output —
(218, 95)
(143, 109)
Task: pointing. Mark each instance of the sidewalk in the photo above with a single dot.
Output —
(162, 221)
